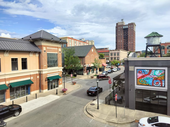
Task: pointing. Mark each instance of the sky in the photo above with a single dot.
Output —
(90, 19)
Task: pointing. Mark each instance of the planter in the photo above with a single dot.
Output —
(64, 90)
(74, 82)
(92, 76)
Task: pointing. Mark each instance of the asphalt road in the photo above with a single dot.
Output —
(67, 111)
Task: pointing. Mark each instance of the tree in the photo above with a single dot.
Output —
(96, 63)
(101, 55)
(71, 61)
(142, 55)
(115, 62)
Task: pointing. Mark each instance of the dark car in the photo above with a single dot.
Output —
(10, 110)
(92, 91)
(109, 71)
(101, 77)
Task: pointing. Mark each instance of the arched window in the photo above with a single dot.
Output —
(168, 47)
(162, 47)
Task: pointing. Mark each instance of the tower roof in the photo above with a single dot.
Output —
(154, 34)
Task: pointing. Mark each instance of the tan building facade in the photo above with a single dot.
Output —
(117, 54)
(29, 65)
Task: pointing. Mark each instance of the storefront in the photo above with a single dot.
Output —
(20, 89)
(3, 88)
(147, 84)
(53, 82)
(152, 101)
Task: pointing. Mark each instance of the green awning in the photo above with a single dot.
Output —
(3, 87)
(21, 83)
(54, 77)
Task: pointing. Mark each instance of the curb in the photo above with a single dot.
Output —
(86, 111)
(103, 120)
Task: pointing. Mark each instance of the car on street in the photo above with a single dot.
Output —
(118, 68)
(104, 72)
(114, 69)
(101, 77)
(108, 66)
(10, 110)
(109, 71)
(92, 91)
(157, 121)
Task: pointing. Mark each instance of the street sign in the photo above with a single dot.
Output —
(71, 75)
(115, 97)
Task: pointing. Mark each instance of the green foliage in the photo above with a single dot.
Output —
(128, 54)
(101, 55)
(96, 63)
(168, 54)
(142, 55)
(71, 61)
(115, 62)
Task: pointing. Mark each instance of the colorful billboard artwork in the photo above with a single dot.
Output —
(151, 77)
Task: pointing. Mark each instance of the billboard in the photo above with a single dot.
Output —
(152, 78)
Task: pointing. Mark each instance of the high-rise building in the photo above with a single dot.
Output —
(125, 36)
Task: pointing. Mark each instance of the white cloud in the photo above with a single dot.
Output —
(5, 35)
(96, 19)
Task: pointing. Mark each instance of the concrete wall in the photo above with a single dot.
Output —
(130, 65)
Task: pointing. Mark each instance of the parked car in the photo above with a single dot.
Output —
(108, 66)
(109, 71)
(10, 110)
(101, 77)
(157, 121)
(92, 91)
(114, 69)
(118, 68)
(104, 72)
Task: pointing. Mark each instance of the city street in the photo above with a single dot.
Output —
(67, 111)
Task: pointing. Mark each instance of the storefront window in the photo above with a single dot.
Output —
(20, 91)
(52, 84)
(139, 95)
(2, 96)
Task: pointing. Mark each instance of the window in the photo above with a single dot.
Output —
(114, 58)
(75, 43)
(14, 62)
(111, 54)
(79, 43)
(64, 45)
(117, 53)
(114, 54)
(24, 63)
(117, 58)
(52, 60)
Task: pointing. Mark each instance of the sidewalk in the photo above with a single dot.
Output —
(107, 113)
(42, 99)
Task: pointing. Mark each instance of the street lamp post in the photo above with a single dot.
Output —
(64, 79)
(97, 95)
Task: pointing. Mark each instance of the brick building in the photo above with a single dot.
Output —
(29, 65)
(165, 48)
(104, 51)
(87, 54)
(125, 36)
(75, 42)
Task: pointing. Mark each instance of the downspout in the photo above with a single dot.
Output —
(39, 74)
